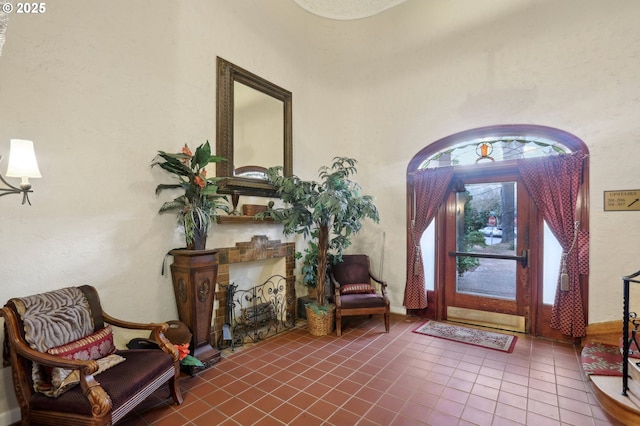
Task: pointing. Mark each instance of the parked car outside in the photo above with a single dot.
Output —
(491, 231)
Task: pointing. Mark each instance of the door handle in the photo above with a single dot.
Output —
(523, 258)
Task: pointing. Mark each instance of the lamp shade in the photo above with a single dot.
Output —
(22, 160)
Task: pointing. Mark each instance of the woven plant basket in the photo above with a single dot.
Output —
(321, 325)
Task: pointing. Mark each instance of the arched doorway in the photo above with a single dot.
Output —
(488, 257)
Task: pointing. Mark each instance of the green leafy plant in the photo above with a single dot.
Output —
(327, 212)
(469, 238)
(198, 206)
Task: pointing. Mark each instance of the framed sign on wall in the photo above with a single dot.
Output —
(622, 200)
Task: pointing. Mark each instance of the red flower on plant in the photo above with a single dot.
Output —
(199, 181)
(183, 350)
(187, 151)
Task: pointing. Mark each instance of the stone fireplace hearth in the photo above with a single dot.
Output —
(259, 248)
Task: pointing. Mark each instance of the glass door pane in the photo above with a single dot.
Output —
(486, 226)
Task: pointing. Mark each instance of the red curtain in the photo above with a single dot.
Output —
(553, 184)
(430, 188)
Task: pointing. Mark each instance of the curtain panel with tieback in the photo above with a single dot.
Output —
(430, 189)
(554, 183)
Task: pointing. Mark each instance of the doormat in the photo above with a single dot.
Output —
(471, 336)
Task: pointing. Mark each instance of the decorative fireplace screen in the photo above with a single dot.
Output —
(257, 313)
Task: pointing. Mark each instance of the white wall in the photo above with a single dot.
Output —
(571, 65)
(101, 85)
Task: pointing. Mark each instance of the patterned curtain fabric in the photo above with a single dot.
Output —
(553, 184)
(431, 187)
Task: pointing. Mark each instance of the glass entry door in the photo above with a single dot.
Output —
(487, 269)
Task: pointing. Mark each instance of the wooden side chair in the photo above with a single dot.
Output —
(353, 292)
(66, 369)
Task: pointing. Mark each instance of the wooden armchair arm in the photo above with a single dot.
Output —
(382, 282)
(134, 325)
(157, 329)
(336, 289)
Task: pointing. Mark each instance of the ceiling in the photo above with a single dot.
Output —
(347, 9)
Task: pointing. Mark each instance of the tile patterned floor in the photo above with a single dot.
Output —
(367, 377)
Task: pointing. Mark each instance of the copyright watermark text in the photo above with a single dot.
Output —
(26, 8)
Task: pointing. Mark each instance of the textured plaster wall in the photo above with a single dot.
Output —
(101, 85)
(446, 67)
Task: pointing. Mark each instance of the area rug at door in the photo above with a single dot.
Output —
(486, 339)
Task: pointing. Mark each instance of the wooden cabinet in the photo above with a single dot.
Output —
(194, 274)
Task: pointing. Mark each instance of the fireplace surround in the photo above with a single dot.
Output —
(259, 248)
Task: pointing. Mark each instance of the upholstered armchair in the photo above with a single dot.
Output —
(353, 292)
(66, 369)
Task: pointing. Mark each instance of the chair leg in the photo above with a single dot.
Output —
(338, 326)
(174, 388)
(386, 321)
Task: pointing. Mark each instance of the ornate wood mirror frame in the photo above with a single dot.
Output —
(228, 75)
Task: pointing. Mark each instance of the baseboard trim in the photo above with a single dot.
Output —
(11, 417)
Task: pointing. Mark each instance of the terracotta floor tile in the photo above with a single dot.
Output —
(450, 407)
(488, 382)
(481, 403)
(211, 417)
(248, 415)
(423, 398)
(514, 388)
(539, 384)
(306, 419)
(369, 394)
(268, 403)
(286, 412)
(536, 419)
(510, 412)
(463, 385)
(193, 409)
(455, 395)
(321, 409)
(415, 411)
(173, 419)
(571, 383)
(343, 417)
(251, 395)
(317, 389)
(542, 375)
(442, 419)
(542, 396)
(571, 417)
(348, 387)
(512, 399)
(477, 416)
(491, 372)
(543, 409)
(357, 406)
(379, 416)
(231, 406)
(573, 405)
(522, 379)
(391, 402)
(371, 378)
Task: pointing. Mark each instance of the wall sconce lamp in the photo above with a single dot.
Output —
(22, 164)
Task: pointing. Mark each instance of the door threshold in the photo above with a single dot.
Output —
(486, 319)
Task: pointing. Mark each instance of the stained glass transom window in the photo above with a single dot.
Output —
(496, 149)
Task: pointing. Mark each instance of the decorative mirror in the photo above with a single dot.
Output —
(254, 131)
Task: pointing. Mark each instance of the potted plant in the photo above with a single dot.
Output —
(327, 212)
(197, 208)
